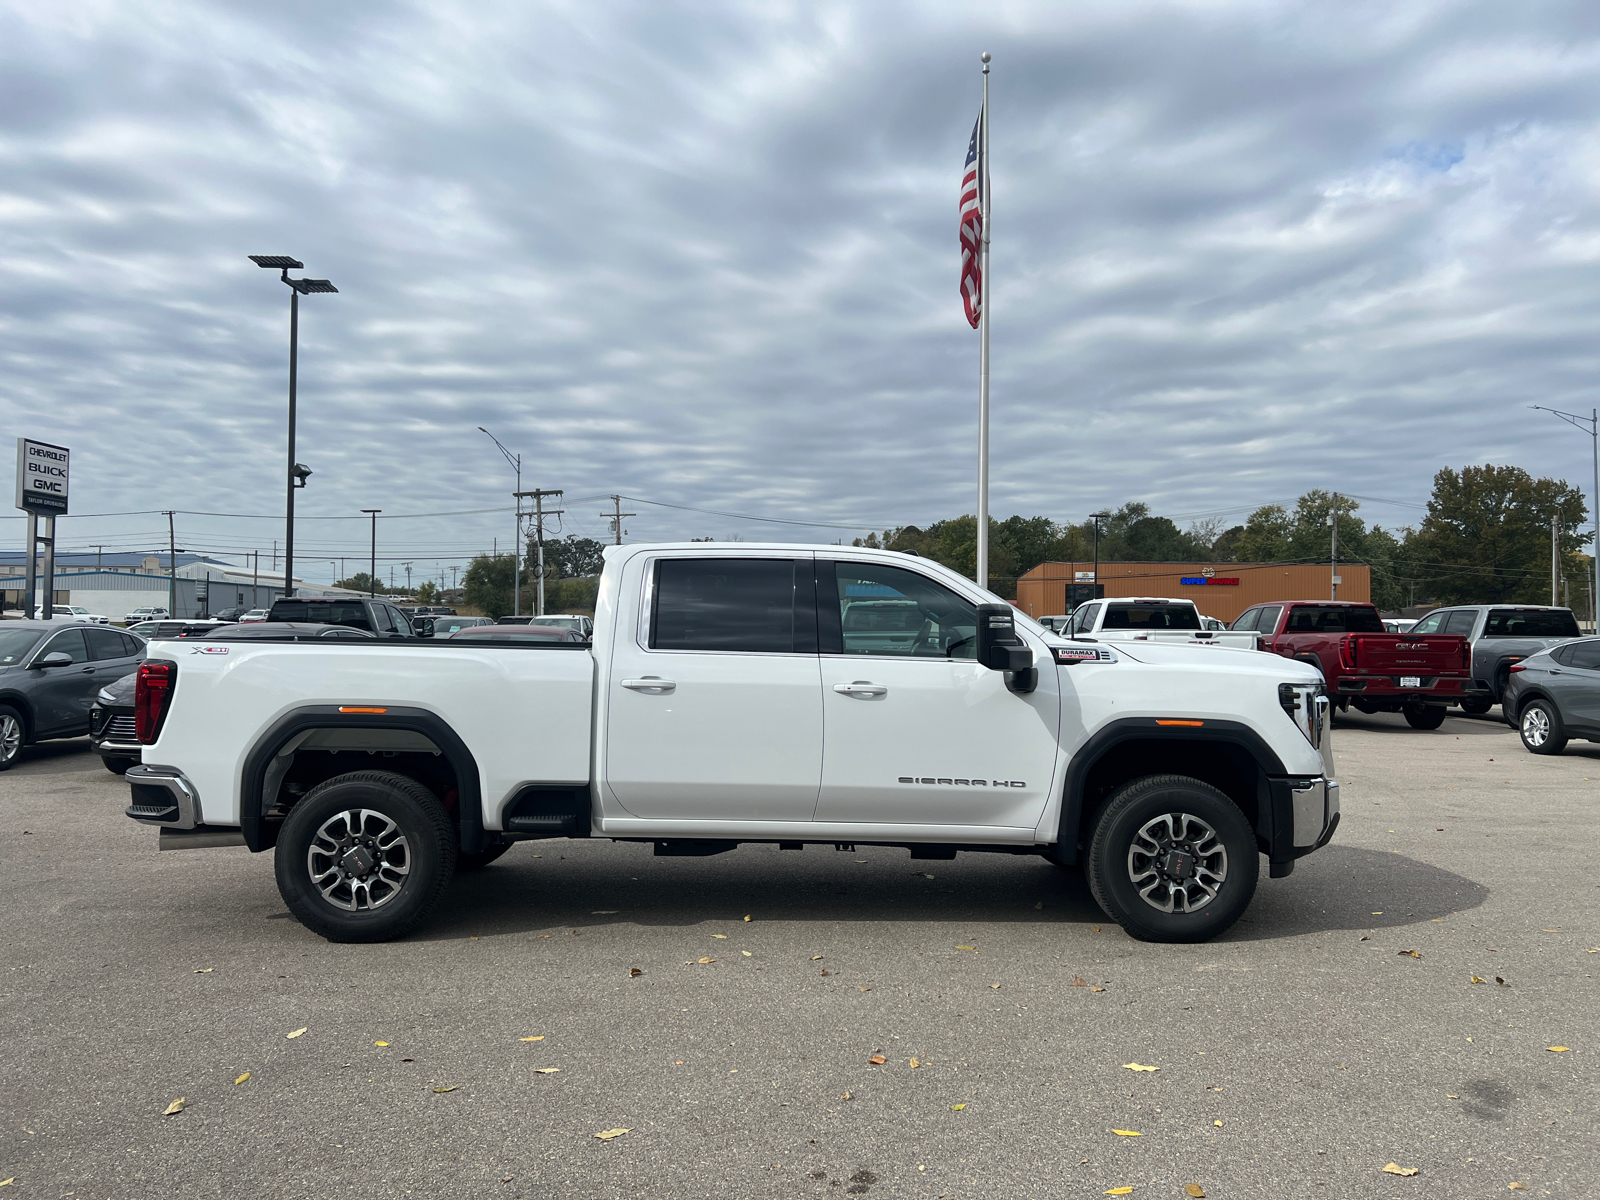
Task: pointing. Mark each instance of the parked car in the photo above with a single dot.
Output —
(1398, 624)
(1500, 635)
(49, 676)
(171, 629)
(255, 614)
(359, 612)
(1212, 623)
(1365, 665)
(231, 614)
(545, 633)
(1056, 623)
(138, 615)
(724, 701)
(1150, 619)
(445, 626)
(266, 631)
(1553, 695)
(70, 612)
(584, 625)
(112, 733)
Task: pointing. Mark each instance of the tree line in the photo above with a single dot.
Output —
(1485, 538)
(571, 578)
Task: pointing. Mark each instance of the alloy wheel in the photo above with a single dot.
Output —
(10, 738)
(1536, 727)
(1177, 863)
(359, 860)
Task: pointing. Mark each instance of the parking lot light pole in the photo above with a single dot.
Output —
(1591, 426)
(372, 572)
(1094, 588)
(297, 474)
(516, 551)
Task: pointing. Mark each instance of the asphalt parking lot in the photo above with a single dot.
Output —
(725, 1012)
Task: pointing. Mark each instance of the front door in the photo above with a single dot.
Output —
(62, 695)
(715, 706)
(915, 731)
(1577, 689)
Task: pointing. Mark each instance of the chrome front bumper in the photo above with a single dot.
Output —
(1316, 809)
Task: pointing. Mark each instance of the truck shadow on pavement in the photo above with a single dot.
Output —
(597, 886)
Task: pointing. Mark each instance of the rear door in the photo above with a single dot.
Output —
(915, 731)
(715, 697)
(112, 655)
(1578, 691)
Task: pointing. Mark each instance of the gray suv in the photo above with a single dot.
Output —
(49, 676)
(1500, 634)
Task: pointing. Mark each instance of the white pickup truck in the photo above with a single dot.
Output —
(1151, 619)
(758, 693)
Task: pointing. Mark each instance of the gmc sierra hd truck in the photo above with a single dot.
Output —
(755, 693)
(1151, 619)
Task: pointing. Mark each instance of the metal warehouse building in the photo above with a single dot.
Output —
(1221, 590)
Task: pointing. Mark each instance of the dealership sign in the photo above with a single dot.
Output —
(42, 477)
(1204, 581)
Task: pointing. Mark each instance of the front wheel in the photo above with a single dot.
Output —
(11, 737)
(1424, 716)
(1476, 707)
(364, 857)
(1172, 860)
(1541, 730)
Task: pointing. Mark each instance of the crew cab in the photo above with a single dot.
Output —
(1500, 634)
(758, 693)
(1365, 665)
(1150, 619)
(355, 612)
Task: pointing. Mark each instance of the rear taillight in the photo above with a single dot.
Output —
(152, 696)
(1515, 667)
(1347, 653)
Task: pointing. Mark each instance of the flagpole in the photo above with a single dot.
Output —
(983, 339)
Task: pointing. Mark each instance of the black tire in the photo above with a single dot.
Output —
(119, 766)
(13, 735)
(480, 860)
(401, 884)
(1539, 725)
(1115, 868)
(1476, 707)
(1424, 716)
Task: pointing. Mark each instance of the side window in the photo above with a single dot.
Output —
(1585, 655)
(1460, 622)
(68, 641)
(1431, 622)
(132, 646)
(1083, 619)
(1563, 655)
(106, 643)
(381, 618)
(1268, 621)
(402, 623)
(1248, 620)
(753, 605)
(892, 611)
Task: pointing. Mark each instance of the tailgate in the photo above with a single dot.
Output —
(1401, 654)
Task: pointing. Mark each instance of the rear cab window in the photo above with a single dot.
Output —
(734, 605)
(1151, 616)
(1530, 622)
(322, 612)
(1316, 618)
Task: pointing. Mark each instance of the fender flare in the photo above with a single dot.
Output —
(469, 807)
(1127, 729)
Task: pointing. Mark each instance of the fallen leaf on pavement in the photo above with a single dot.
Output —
(1194, 1189)
(1127, 1133)
(747, 954)
(204, 970)
(1558, 1049)
(547, 1070)
(1121, 1191)
(1097, 989)
(814, 957)
(175, 1107)
(747, 916)
(915, 1064)
(1079, 981)
(1218, 1124)
(1477, 979)
(712, 960)
(1138, 1067)
(994, 987)
(297, 1032)
(1451, 1096)
(634, 972)
(723, 936)
(966, 947)
(877, 1060)
(1516, 1187)
(1501, 981)
(241, 1079)
(443, 1090)
(825, 971)
(1411, 953)
(380, 1043)
(8, 1182)
(605, 1135)
(539, 1038)
(957, 1107)
(1396, 1169)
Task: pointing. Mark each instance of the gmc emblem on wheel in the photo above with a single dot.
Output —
(1016, 783)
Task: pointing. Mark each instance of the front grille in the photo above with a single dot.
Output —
(119, 729)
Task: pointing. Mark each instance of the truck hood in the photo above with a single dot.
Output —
(1217, 657)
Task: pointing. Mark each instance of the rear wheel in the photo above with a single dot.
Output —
(11, 736)
(1541, 730)
(1172, 860)
(364, 857)
(1424, 716)
(1476, 707)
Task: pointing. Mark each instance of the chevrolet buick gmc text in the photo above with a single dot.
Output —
(759, 693)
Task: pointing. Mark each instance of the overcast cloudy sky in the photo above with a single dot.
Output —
(706, 255)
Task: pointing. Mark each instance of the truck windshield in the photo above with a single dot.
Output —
(321, 612)
(1530, 622)
(1308, 618)
(1151, 616)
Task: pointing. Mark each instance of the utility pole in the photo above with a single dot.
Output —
(453, 578)
(97, 550)
(172, 568)
(1333, 523)
(407, 566)
(255, 580)
(615, 517)
(372, 573)
(1094, 587)
(1555, 558)
(539, 514)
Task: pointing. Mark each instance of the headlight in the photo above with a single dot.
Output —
(1307, 706)
(105, 697)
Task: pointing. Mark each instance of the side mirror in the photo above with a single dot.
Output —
(58, 659)
(423, 626)
(999, 647)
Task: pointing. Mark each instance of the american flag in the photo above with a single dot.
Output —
(973, 182)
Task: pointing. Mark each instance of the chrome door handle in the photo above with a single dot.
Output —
(650, 683)
(861, 688)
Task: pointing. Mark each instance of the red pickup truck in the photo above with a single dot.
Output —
(1363, 664)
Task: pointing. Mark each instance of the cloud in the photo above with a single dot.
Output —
(707, 255)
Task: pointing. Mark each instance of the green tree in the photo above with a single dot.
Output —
(487, 584)
(1486, 538)
(362, 582)
(571, 557)
(427, 592)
